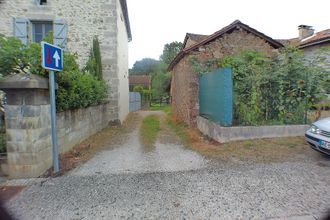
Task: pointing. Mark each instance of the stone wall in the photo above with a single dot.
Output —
(85, 19)
(74, 126)
(321, 51)
(227, 134)
(185, 82)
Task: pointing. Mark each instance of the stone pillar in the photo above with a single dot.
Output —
(28, 129)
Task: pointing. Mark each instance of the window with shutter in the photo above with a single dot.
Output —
(60, 33)
(40, 30)
(21, 26)
(41, 2)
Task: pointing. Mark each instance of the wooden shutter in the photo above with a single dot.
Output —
(21, 26)
(60, 33)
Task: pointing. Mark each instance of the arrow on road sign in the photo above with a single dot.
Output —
(57, 58)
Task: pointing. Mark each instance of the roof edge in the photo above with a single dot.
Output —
(234, 25)
(316, 42)
(124, 9)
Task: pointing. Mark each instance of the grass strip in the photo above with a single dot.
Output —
(149, 130)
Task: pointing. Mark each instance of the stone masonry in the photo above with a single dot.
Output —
(85, 19)
(74, 126)
(185, 82)
(27, 122)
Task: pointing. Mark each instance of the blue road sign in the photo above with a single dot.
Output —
(52, 57)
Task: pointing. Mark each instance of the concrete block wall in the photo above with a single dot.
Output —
(74, 126)
(227, 134)
(29, 151)
(29, 135)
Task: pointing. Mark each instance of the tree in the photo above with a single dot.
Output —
(145, 66)
(94, 64)
(160, 81)
(170, 51)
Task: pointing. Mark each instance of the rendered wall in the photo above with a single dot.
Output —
(227, 134)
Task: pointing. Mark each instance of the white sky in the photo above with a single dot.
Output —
(157, 22)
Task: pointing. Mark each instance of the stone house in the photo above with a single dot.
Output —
(230, 40)
(315, 45)
(74, 24)
(312, 43)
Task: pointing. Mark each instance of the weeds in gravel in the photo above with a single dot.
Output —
(165, 108)
(108, 138)
(259, 150)
(149, 130)
(179, 129)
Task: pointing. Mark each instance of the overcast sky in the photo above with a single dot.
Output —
(157, 22)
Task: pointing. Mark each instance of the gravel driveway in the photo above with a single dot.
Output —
(172, 182)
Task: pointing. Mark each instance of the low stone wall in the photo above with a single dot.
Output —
(74, 126)
(227, 134)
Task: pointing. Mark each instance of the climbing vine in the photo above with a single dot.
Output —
(278, 90)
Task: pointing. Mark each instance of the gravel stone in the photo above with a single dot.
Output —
(172, 182)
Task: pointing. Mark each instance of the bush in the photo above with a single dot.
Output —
(273, 91)
(76, 89)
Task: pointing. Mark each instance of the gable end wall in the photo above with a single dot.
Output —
(185, 82)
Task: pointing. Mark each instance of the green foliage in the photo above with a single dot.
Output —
(94, 64)
(138, 89)
(146, 66)
(170, 51)
(78, 90)
(158, 70)
(160, 82)
(13, 57)
(201, 67)
(278, 90)
(3, 143)
(75, 89)
(149, 130)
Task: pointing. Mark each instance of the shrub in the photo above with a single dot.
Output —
(275, 91)
(76, 89)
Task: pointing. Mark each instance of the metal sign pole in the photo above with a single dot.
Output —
(53, 121)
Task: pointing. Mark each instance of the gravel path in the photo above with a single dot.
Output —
(171, 182)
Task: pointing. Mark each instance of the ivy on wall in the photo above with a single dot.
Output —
(278, 90)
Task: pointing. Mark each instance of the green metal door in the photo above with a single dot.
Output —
(216, 96)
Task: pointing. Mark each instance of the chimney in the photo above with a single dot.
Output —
(305, 31)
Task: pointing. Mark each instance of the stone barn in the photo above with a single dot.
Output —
(230, 40)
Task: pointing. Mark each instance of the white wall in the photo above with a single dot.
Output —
(122, 66)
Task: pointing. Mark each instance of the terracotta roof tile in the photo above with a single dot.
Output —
(144, 80)
(196, 38)
(317, 38)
